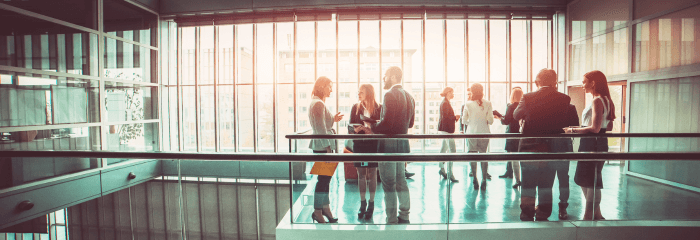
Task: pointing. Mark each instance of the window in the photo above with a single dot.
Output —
(323, 55)
(304, 55)
(290, 124)
(303, 123)
(291, 109)
(302, 95)
(432, 119)
(288, 67)
(303, 109)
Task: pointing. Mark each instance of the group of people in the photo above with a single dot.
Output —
(545, 111)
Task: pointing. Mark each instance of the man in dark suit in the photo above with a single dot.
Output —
(541, 111)
(398, 112)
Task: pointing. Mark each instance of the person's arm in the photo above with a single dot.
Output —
(520, 112)
(318, 123)
(388, 115)
(461, 125)
(489, 114)
(465, 116)
(412, 114)
(597, 119)
(508, 118)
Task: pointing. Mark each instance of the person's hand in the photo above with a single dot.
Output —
(496, 117)
(357, 128)
(338, 116)
(457, 117)
(461, 132)
(367, 130)
(568, 130)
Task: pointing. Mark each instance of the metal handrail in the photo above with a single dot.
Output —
(488, 136)
(360, 157)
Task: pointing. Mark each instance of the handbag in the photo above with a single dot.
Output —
(324, 168)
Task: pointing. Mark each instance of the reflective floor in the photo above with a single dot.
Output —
(623, 198)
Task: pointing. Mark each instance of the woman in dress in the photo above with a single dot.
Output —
(597, 118)
(446, 125)
(513, 167)
(368, 108)
(321, 122)
(478, 114)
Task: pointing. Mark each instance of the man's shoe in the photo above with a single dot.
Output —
(563, 215)
(525, 217)
(401, 221)
(409, 174)
(506, 175)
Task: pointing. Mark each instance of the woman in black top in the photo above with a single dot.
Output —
(365, 170)
(513, 127)
(446, 125)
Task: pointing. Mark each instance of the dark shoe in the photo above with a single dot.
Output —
(507, 175)
(314, 219)
(527, 212)
(442, 173)
(453, 179)
(401, 221)
(363, 209)
(370, 211)
(409, 174)
(563, 215)
(517, 185)
(330, 220)
(542, 212)
(476, 184)
(483, 184)
(525, 217)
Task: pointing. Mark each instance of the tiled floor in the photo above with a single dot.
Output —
(624, 198)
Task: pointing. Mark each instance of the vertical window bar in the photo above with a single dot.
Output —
(217, 136)
(234, 53)
(254, 87)
(181, 138)
(294, 81)
(487, 58)
(337, 75)
(528, 31)
(444, 54)
(550, 45)
(197, 100)
(274, 88)
(358, 55)
(425, 123)
(380, 62)
(402, 40)
(509, 61)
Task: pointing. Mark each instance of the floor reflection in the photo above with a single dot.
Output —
(624, 198)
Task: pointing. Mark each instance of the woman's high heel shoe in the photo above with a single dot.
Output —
(330, 220)
(453, 179)
(314, 219)
(363, 209)
(517, 185)
(370, 211)
(442, 173)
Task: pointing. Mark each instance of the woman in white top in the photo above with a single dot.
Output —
(597, 118)
(478, 114)
(321, 122)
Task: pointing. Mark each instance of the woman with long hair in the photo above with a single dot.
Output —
(597, 118)
(513, 167)
(478, 114)
(446, 125)
(366, 171)
(321, 122)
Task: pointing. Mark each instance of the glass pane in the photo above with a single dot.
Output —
(455, 52)
(347, 48)
(326, 50)
(305, 52)
(369, 54)
(226, 119)
(285, 50)
(433, 101)
(244, 36)
(170, 116)
(667, 41)
(122, 18)
(303, 103)
(499, 99)
(189, 124)
(187, 55)
(206, 55)
(413, 51)
(347, 94)
(206, 119)
(127, 102)
(244, 96)
(416, 91)
(518, 36)
(225, 54)
(457, 104)
(540, 50)
(497, 51)
(263, 54)
(265, 120)
(127, 61)
(133, 137)
(476, 32)
(285, 115)
(434, 52)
